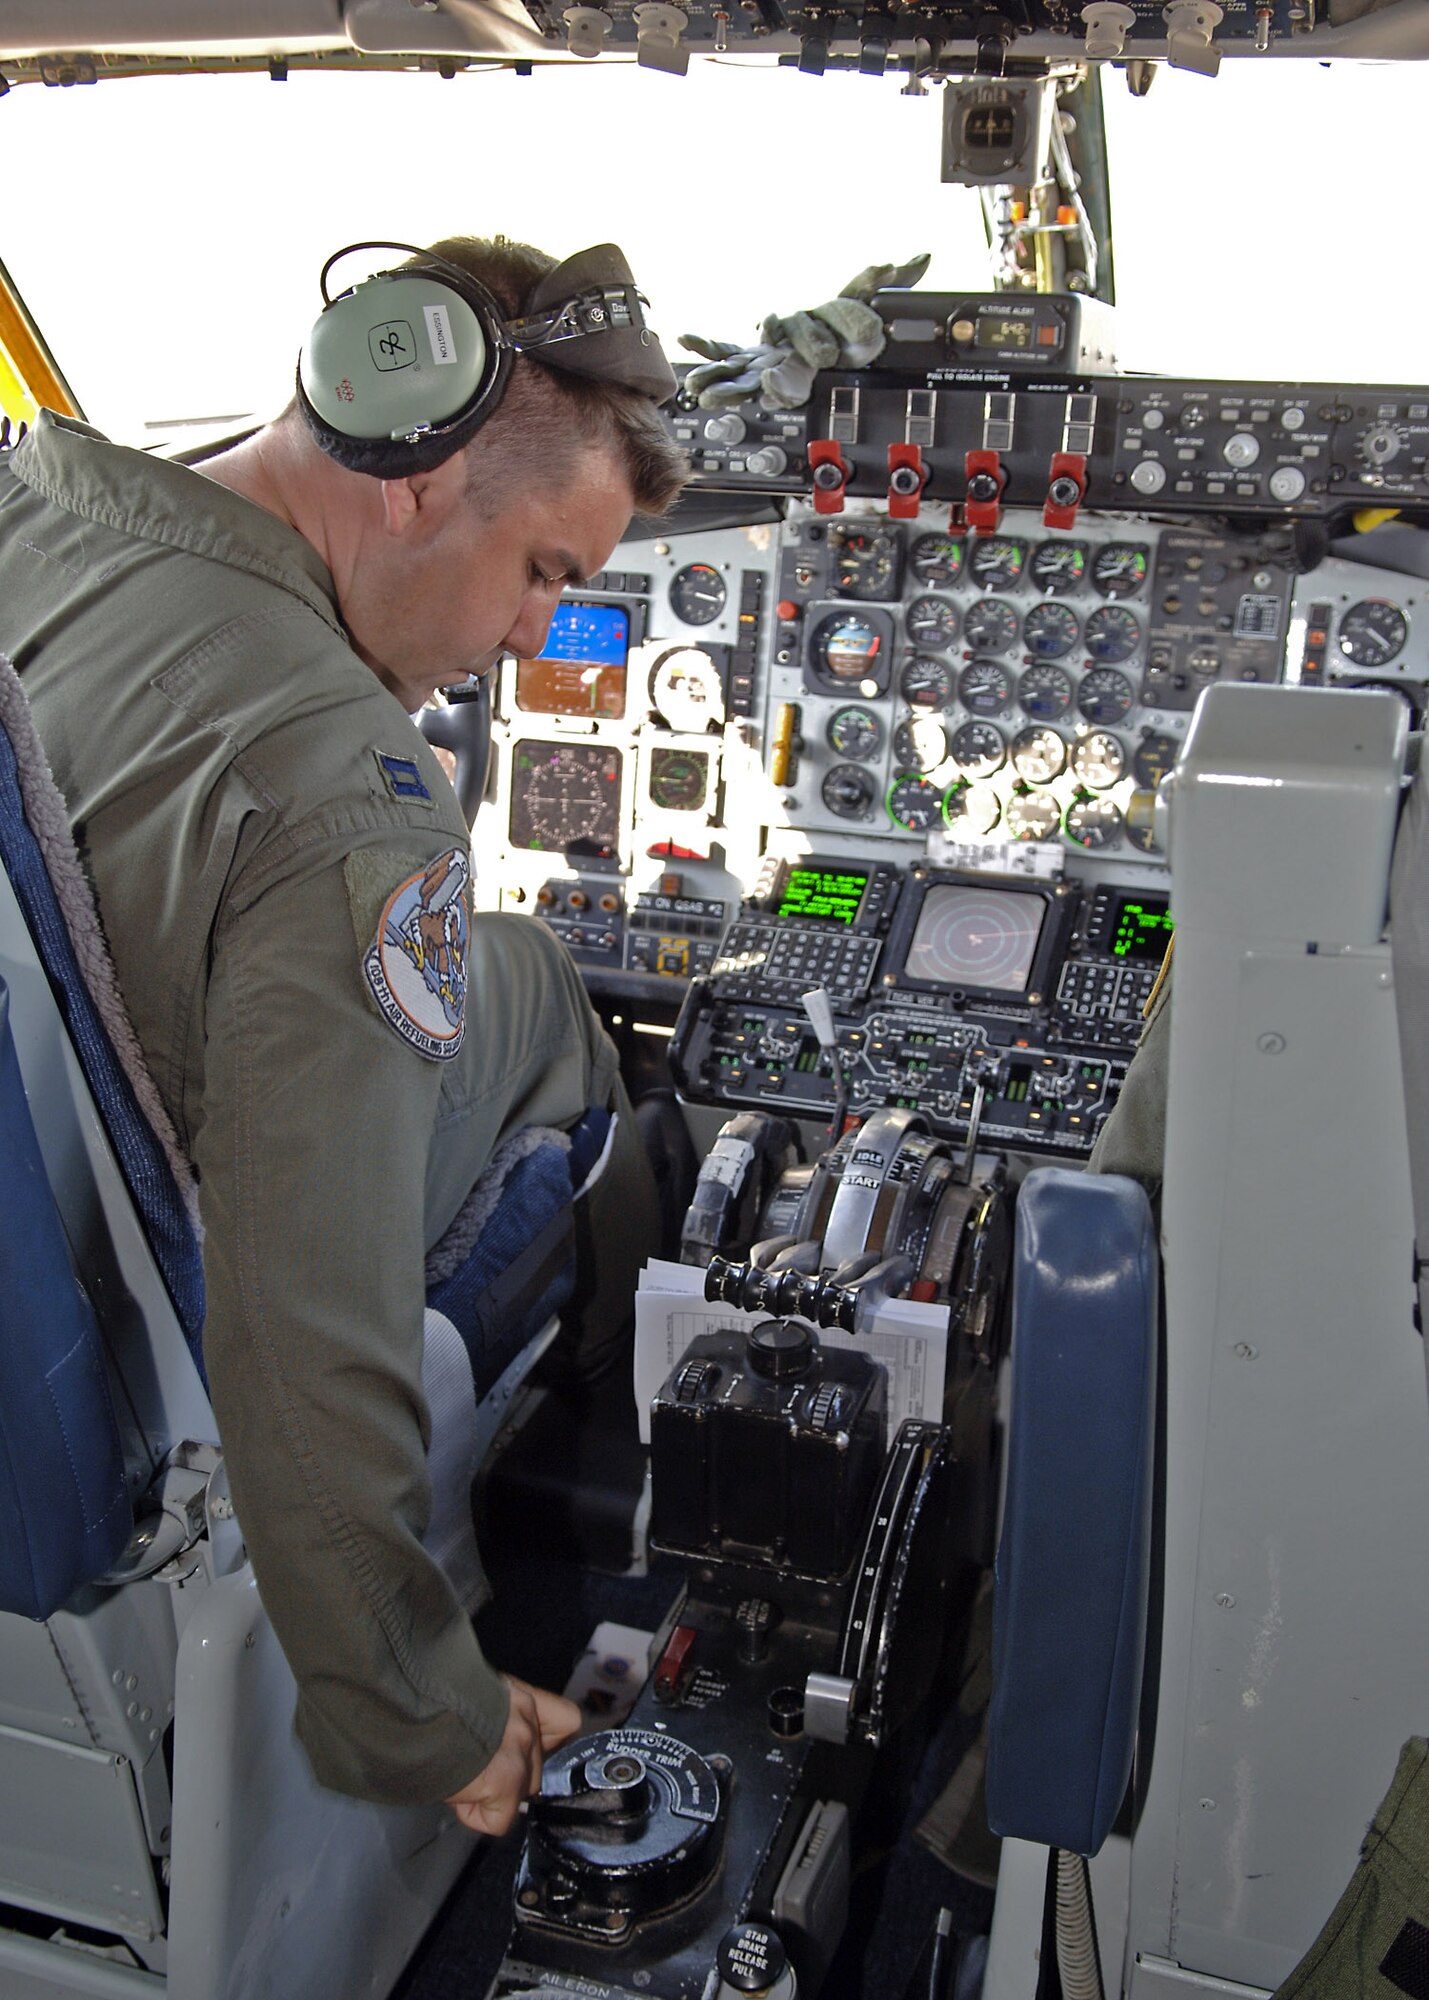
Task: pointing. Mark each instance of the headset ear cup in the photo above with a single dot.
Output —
(401, 371)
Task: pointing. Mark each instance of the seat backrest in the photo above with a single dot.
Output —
(64, 1511)
(1073, 1564)
(38, 855)
(83, 1306)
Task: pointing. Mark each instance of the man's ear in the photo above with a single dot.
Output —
(424, 501)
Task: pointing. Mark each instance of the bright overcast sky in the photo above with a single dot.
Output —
(177, 225)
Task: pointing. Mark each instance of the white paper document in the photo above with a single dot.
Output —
(671, 1309)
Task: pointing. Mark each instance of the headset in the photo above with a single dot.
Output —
(403, 369)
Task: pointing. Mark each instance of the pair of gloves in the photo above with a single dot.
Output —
(780, 368)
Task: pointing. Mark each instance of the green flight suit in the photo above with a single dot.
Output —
(219, 743)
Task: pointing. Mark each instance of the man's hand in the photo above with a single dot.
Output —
(536, 1723)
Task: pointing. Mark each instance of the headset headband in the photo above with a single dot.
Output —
(403, 369)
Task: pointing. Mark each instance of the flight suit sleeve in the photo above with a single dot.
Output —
(312, 1155)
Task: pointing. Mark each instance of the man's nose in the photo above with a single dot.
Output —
(527, 633)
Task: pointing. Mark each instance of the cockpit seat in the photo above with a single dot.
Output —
(1071, 1580)
(154, 1803)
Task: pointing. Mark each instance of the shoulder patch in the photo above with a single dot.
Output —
(416, 964)
(403, 778)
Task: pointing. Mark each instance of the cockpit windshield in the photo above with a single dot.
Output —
(736, 191)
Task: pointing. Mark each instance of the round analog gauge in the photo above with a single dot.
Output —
(990, 627)
(913, 803)
(848, 792)
(937, 559)
(1033, 816)
(1105, 695)
(931, 621)
(926, 683)
(996, 562)
(697, 594)
(985, 687)
(1119, 568)
(1373, 632)
(1098, 760)
(565, 796)
(685, 687)
(973, 809)
(1045, 693)
(1049, 631)
(865, 559)
(978, 749)
(1152, 759)
(1112, 634)
(1058, 567)
(1093, 823)
(847, 647)
(679, 779)
(920, 743)
(1038, 756)
(854, 732)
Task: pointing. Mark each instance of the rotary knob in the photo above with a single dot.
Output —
(768, 462)
(1149, 477)
(1241, 448)
(1381, 445)
(728, 429)
(781, 1350)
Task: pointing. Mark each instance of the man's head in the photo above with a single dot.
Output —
(548, 418)
(440, 571)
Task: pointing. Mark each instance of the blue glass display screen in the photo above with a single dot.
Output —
(581, 668)
(598, 635)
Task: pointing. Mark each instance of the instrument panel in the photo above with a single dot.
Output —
(874, 750)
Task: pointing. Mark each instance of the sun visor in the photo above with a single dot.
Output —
(587, 318)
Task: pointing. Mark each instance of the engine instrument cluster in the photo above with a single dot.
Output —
(1020, 684)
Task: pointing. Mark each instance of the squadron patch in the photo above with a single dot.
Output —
(416, 964)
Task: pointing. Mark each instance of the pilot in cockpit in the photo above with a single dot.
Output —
(222, 664)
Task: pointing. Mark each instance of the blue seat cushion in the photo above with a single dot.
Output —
(521, 1269)
(1073, 1562)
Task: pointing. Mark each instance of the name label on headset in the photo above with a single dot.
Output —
(439, 335)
